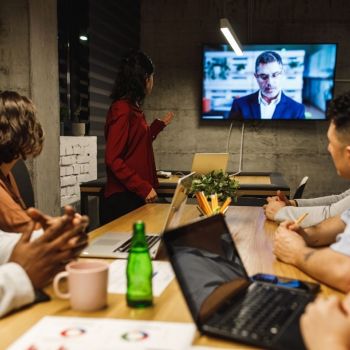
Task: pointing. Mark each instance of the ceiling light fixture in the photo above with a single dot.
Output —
(230, 36)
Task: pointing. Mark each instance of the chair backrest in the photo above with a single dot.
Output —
(24, 184)
(300, 189)
(204, 163)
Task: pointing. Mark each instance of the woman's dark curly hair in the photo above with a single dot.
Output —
(21, 134)
(130, 82)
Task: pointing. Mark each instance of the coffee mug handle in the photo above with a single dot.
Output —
(56, 282)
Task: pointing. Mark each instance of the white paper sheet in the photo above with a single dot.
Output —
(199, 347)
(162, 276)
(77, 333)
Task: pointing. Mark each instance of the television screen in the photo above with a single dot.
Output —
(292, 81)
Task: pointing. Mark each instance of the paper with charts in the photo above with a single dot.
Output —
(163, 274)
(77, 333)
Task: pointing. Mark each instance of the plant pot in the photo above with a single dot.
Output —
(78, 129)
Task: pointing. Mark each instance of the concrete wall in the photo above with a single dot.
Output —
(172, 33)
(28, 64)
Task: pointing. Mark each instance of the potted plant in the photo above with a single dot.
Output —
(215, 182)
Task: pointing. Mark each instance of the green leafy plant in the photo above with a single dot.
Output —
(215, 182)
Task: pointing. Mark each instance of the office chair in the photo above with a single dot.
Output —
(300, 189)
(24, 184)
(259, 202)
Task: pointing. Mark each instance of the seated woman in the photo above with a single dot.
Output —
(21, 136)
(28, 263)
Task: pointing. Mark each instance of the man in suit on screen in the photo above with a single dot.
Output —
(269, 102)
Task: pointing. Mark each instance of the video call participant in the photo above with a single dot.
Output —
(280, 208)
(294, 245)
(131, 172)
(269, 102)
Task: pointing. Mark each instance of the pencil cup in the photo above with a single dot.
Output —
(87, 285)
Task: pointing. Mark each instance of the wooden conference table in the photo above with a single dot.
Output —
(252, 235)
(252, 184)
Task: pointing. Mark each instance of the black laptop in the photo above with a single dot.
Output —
(223, 300)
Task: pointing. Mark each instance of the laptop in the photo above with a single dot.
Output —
(204, 163)
(117, 244)
(223, 300)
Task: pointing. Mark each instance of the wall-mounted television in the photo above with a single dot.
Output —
(274, 81)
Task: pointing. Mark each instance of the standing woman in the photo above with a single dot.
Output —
(131, 172)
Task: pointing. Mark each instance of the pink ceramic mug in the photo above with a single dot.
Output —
(87, 284)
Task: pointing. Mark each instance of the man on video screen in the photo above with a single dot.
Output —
(269, 102)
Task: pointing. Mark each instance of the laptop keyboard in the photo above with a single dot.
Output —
(259, 313)
(125, 247)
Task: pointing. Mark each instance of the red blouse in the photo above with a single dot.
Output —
(129, 154)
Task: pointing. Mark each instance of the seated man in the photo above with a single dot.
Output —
(294, 245)
(326, 324)
(279, 208)
(29, 264)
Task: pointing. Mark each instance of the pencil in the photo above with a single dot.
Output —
(201, 203)
(207, 207)
(225, 205)
(214, 202)
(301, 218)
(201, 210)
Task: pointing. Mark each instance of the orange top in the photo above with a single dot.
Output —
(13, 218)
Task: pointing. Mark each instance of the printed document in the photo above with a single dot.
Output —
(77, 333)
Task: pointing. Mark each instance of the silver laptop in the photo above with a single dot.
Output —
(117, 244)
(204, 163)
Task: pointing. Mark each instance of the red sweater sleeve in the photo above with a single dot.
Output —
(156, 127)
(116, 144)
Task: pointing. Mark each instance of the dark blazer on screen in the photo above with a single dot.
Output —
(248, 107)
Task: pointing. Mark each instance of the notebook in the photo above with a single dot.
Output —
(223, 300)
(117, 244)
(204, 163)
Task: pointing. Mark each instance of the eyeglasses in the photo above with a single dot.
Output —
(268, 76)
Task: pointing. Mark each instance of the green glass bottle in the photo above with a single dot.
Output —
(139, 270)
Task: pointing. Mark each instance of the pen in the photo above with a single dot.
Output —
(225, 205)
(207, 207)
(300, 219)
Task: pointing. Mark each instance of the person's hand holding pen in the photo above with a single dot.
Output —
(274, 204)
(281, 197)
(289, 240)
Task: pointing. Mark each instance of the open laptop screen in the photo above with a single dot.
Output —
(204, 163)
(178, 202)
(206, 263)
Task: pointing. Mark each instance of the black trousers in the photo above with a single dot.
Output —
(118, 204)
